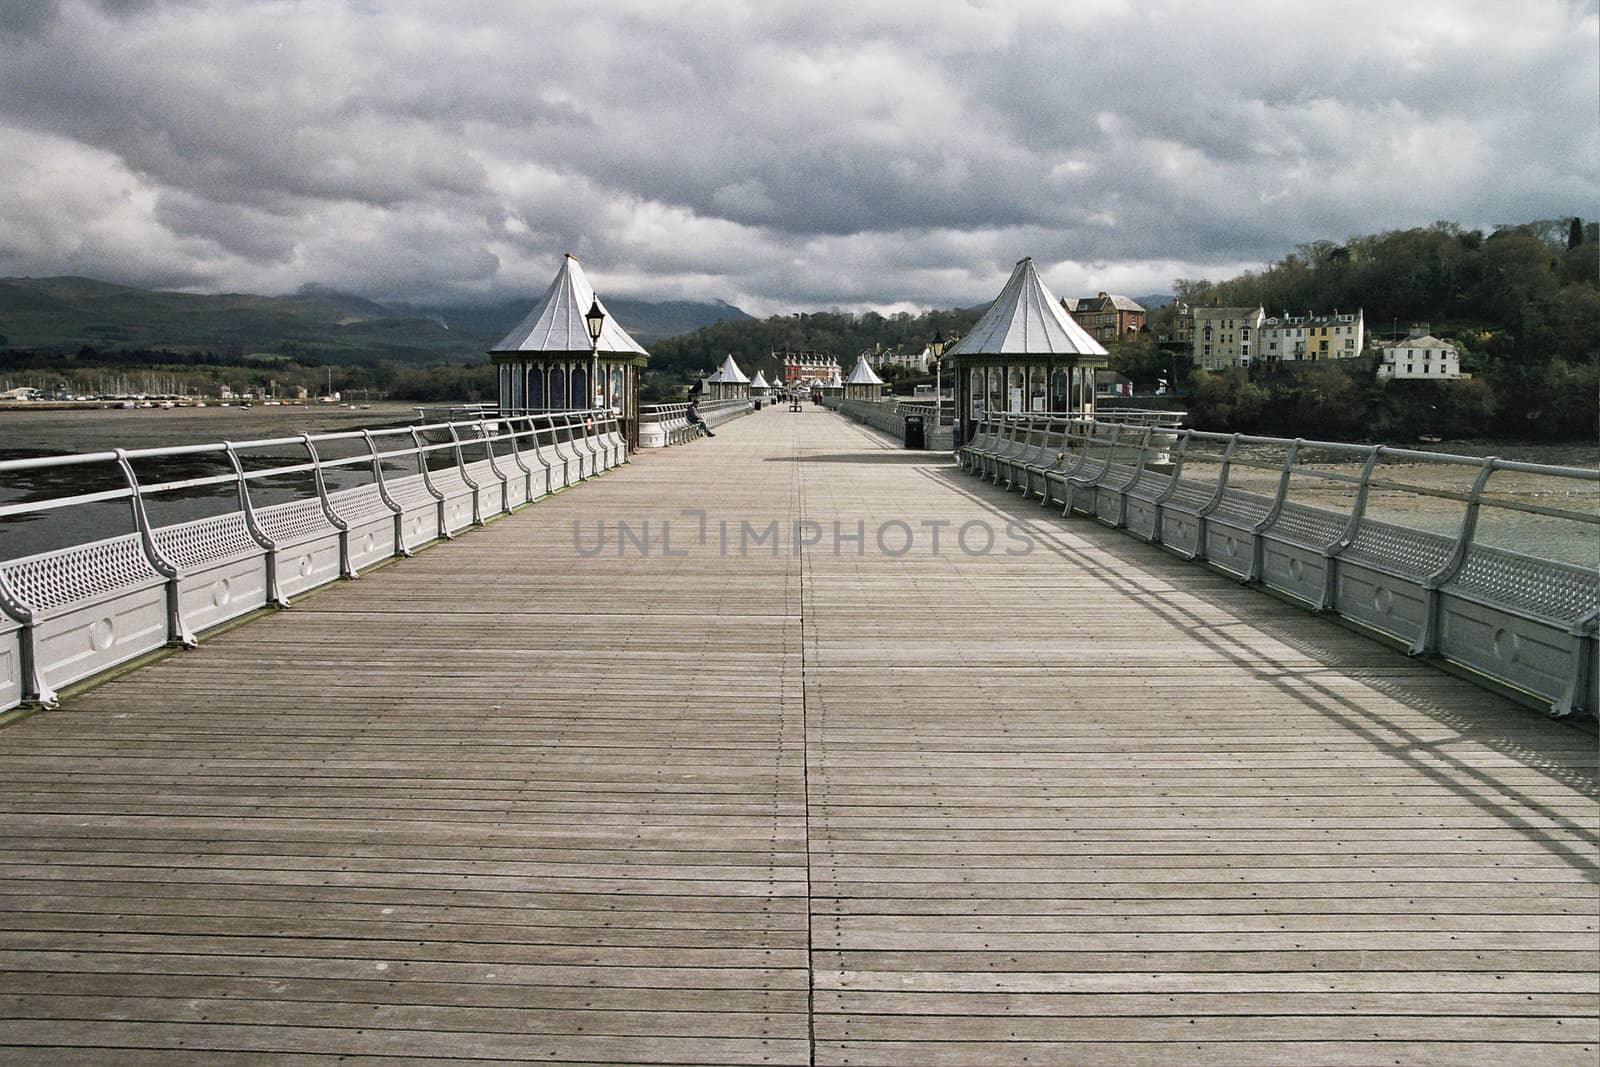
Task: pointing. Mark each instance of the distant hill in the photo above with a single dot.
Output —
(314, 325)
(1151, 301)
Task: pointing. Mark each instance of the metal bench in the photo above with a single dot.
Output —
(1527, 621)
(1111, 494)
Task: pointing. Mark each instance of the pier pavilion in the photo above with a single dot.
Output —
(548, 360)
(1025, 354)
(863, 383)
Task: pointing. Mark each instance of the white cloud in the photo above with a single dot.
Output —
(841, 153)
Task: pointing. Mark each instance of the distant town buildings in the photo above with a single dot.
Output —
(884, 358)
(1420, 355)
(1174, 327)
(1226, 337)
(1313, 337)
(803, 367)
(1237, 336)
(1106, 316)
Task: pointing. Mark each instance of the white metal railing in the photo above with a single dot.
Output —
(250, 524)
(1487, 563)
(661, 425)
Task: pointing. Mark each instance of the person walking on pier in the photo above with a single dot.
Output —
(695, 419)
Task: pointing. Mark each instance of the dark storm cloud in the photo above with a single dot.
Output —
(840, 153)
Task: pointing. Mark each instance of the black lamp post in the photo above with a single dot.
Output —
(936, 346)
(595, 320)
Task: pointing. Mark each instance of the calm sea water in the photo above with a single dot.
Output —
(28, 434)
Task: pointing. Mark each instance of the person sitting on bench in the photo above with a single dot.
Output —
(695, 419)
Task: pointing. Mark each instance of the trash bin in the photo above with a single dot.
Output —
(916, 432)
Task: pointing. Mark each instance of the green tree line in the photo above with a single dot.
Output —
(1522, 305)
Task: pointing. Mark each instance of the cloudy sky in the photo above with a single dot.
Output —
(778, 155)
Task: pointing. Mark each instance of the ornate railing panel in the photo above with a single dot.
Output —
(250, 524)
(1489, 564)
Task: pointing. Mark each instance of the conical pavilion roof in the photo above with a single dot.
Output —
(556, 322)
(759, 381)
(862, 374)
(833, 381)
(730, 374)
(1026, 319)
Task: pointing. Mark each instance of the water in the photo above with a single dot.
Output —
(29, 434)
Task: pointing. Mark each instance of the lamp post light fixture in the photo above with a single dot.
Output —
(936, 346)
(595, 320)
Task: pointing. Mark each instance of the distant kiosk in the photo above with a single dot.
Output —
(1025, 354)
(546, 362)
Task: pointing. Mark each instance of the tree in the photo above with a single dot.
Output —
(1575, 234)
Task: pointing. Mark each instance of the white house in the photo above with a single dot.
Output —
(1420, 355)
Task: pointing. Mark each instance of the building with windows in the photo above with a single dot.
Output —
(1421, 355)
(1226, 337)
(1106, 317)
(805, 367)
(918, 361)
(1290, 338)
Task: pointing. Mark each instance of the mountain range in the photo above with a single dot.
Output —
(65, 314)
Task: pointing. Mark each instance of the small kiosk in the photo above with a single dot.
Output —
(1025, 354)
(569, 353)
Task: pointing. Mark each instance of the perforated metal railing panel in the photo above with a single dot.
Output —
(1190, 496)
(1151, 484)
(409, 492)
(1398, 550)
(191, 545)
(1542, 588)
(61, 579)
(360, 503)
(1312, 527)
(294, 521)
(1242, 508)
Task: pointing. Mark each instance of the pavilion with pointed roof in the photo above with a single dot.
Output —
(863, 383)
(547, 360)
(728, 382)
(1025, 354)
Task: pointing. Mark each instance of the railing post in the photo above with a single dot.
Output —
(466, 479)
(566, 460)
(1358, 510)
(346, 568)
(1428, 639)
(34, 685)
(378, 479)
(516, 457)
(494, 467)
(427, 483)
(177, 632)
(261, 537)
(538, 454)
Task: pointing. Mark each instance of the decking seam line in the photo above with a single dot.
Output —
(805, 771)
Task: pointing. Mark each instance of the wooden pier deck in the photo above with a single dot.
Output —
(512, 802)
